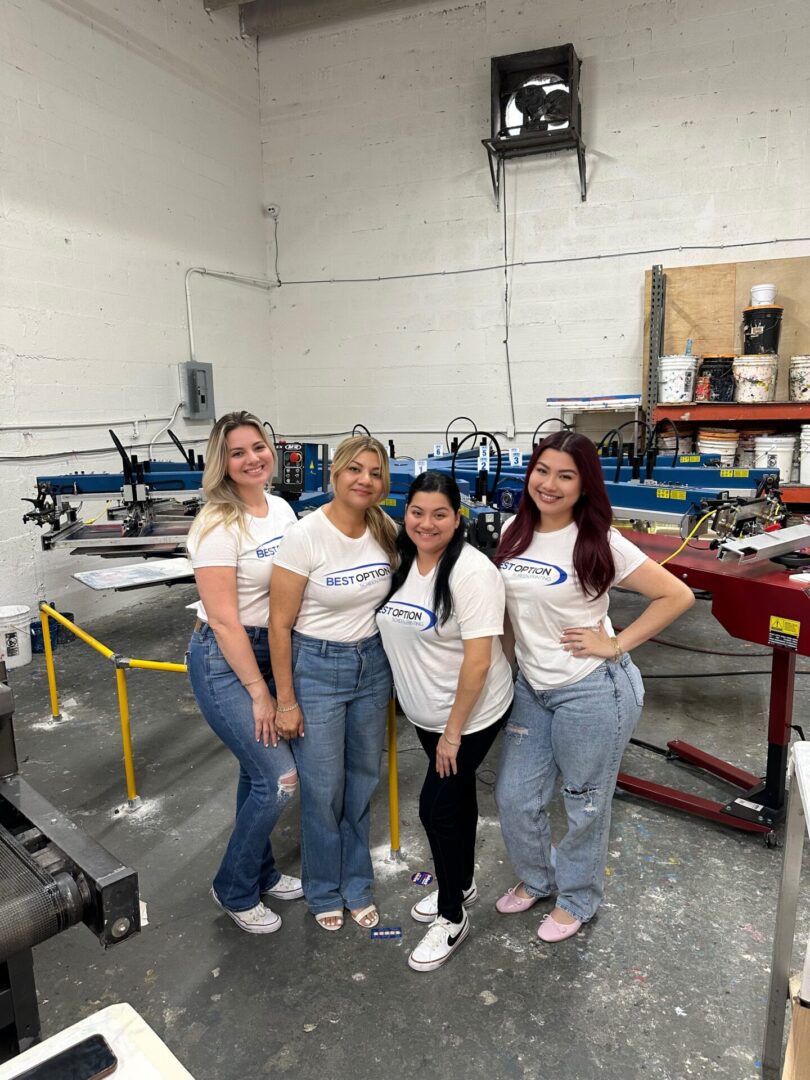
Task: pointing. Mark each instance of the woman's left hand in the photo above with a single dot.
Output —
(585, 641)
(446, 754)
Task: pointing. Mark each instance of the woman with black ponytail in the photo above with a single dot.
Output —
(441, 624)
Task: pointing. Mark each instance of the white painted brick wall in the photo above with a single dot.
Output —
(695, 113)
(129, 136)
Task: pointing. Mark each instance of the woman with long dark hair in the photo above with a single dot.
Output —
(441, 624)
(578, 695)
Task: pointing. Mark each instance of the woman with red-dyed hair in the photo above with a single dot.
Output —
(578, 695)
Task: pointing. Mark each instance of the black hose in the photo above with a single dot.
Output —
(548, 420)
(447, 429)
(473, 435)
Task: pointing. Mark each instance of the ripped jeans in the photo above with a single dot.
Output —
(575, 734)
(267, 774)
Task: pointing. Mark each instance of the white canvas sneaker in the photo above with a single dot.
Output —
(256, 920)
(439, 943)
(286, 888)
(428, 907)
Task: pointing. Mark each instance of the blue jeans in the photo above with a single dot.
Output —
(575, 733)
(248, 868)
(343, 689)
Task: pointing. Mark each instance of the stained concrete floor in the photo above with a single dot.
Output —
(668, 982)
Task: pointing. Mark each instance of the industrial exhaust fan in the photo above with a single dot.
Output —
(535, 108)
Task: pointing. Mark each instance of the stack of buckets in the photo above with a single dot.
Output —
(676, 379)
(755, 372)
(719, 442)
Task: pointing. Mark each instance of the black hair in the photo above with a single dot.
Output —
(432, 481)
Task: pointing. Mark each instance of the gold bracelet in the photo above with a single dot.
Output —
(449, 741)
(287, 708)
(618, 651)
(252, 681)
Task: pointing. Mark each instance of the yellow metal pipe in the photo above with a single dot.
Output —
(126, 737)
(393, 779)
(156, 665)
(49, 664)
(46, 609)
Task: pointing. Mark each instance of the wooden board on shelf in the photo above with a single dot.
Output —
(706, 304)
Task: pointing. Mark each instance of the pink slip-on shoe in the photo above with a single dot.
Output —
(551, 930)
(511, 904)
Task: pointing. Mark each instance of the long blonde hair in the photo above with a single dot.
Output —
(380, 525)
(224, 505)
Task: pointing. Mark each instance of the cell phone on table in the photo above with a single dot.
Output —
(89, 1059)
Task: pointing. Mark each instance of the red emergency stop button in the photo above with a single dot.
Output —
(295, 457)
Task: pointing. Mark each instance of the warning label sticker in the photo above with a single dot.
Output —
(783, 632)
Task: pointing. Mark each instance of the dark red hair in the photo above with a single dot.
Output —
(593, 559)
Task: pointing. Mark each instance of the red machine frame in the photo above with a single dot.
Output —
(744, 600)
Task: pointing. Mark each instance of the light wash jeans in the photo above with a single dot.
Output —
(248, 868)
(575, 734)
(343, 689)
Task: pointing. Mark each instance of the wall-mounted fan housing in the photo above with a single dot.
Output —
(535, 107)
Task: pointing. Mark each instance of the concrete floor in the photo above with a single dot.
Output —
(668, 982)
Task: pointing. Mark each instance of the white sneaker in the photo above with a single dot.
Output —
(439, 943)
(428, 907)
(286, 888)
(256, 920)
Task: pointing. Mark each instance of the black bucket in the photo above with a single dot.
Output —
(761, 326)
(721, 377)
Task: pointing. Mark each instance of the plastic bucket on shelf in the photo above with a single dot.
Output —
(755, 378)
(776, 452)
(15, 635)
(762, 294)
(676, 379)
(721, 377)
(804, 455)
(799, 378)
(761, 326)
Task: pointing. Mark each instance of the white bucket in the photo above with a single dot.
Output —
(804, 455)
(776, 452)
(762, 294)
(676, 379)
(723, 449)
(15, 636)
(800, 378)
(755, 377)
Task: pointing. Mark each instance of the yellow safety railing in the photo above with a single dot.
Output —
(393, 779)
(122, 663)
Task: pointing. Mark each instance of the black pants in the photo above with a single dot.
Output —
(448, 810)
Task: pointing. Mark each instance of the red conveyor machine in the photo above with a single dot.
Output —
(756, 602)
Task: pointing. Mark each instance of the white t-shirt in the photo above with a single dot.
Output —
(544, 597)
(348, 578)
(251, 553)
(426, 658)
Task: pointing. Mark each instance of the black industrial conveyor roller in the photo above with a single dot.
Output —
(52, 876)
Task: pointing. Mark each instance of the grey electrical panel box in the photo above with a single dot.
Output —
(198, 383)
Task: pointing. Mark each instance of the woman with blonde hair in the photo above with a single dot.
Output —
(232, 544)
(333, 680)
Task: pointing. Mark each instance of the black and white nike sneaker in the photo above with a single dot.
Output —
(439, 943)
(428, 907)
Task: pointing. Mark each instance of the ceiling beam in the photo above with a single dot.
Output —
(279, 16)
(218, 5)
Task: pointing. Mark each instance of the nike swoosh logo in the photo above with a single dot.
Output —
(453, 940)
